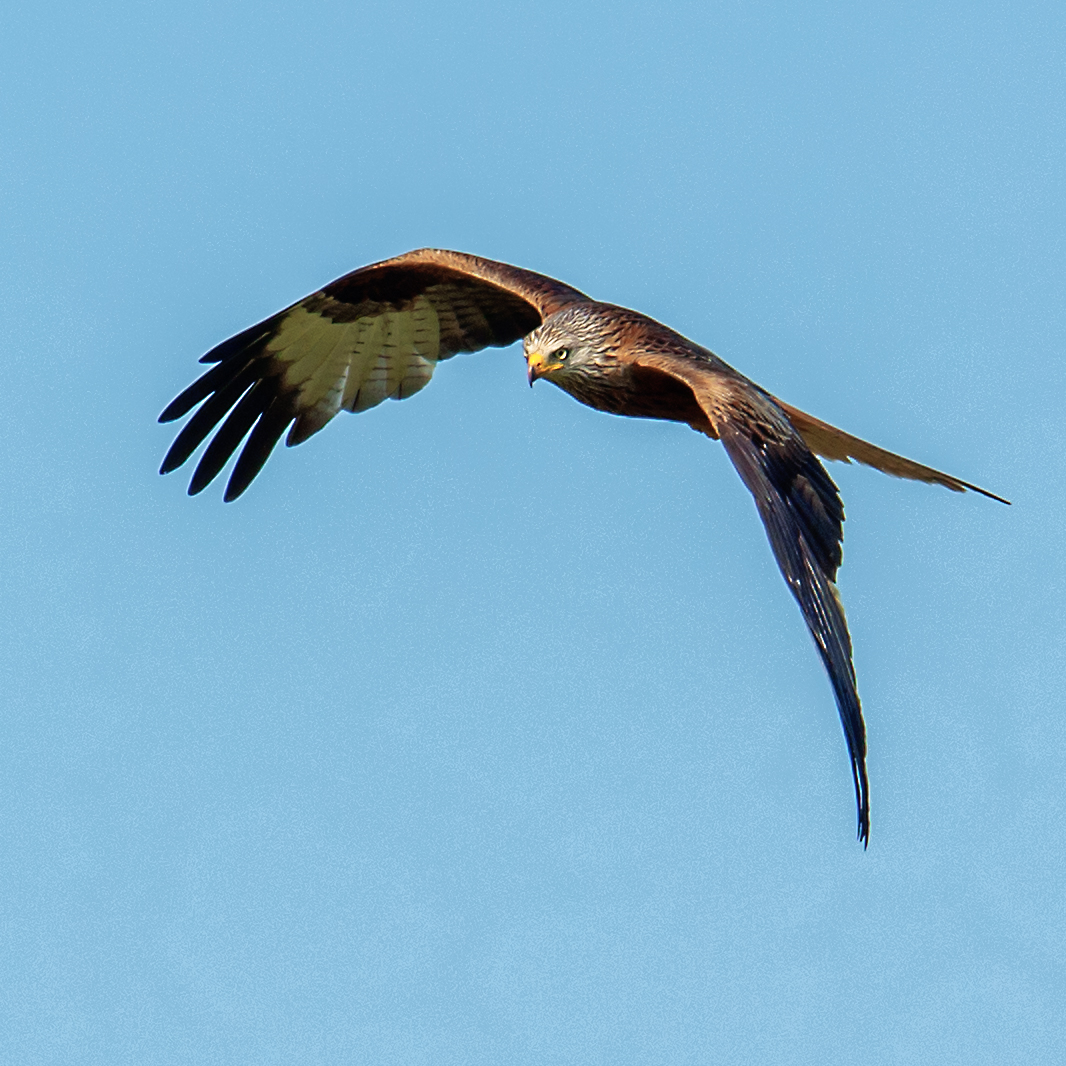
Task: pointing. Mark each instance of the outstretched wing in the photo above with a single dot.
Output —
(371, 335)
(804, 518)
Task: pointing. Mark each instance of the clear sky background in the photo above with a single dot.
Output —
(482, 729)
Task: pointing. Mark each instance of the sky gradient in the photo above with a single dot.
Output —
(483, 729)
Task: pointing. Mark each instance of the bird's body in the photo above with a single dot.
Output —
(379, 332)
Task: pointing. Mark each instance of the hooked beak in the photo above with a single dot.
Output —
(538, 366)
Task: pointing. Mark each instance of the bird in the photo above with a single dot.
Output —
(378, 333)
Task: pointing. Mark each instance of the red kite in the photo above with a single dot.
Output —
(379, 332)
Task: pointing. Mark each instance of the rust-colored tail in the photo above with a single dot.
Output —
(832, 443)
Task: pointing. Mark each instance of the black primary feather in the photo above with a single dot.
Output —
(800, 507)
(230, 434)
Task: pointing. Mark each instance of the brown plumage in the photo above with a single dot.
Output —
(378, 333)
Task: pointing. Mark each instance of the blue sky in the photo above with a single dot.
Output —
(482, 728)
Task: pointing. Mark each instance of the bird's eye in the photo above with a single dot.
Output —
(562, 354)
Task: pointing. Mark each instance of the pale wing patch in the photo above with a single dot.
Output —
(329, 371)
(368, 347)
(425, 349)
(398, 359)
(368, 336)
(375, 386)
(311, 419)
(288, 343)
(335, 365)
(419, 371)
(425, 339)
(398, 348)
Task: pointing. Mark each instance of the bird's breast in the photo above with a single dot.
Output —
(635, 391)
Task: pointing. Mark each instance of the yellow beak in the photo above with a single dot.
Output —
(538, 365)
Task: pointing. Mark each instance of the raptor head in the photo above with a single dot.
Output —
(578, 340)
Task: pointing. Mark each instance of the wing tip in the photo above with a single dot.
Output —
(862, 796)
(985, 492)
(173, 410)
(200, 479)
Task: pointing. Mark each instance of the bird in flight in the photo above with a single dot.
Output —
(379, 332)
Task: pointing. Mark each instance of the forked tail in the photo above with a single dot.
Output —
(832, 443)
